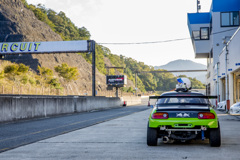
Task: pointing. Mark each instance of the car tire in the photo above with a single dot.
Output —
(152, 137)
(215, 137)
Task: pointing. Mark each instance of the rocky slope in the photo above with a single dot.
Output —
(17, 23)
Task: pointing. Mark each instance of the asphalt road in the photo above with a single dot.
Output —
(124, 138)
(13, 135)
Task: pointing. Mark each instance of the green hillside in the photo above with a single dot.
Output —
(68, 31)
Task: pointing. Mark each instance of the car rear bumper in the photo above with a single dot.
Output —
(183, 123)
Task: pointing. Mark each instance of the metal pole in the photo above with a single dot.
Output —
(136, 83)
(226, 77)
(217, 83)
(93, 68)
(116, 91)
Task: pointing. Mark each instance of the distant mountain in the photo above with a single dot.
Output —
(186, 65)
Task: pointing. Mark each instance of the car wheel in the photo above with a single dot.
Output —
(151, 136)
(215, 137)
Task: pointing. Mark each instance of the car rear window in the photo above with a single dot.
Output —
(182, 101)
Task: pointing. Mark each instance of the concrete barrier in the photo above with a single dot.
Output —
(131, 100)
(23, 107)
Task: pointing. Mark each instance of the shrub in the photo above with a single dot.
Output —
(68, 73)
(55, 83)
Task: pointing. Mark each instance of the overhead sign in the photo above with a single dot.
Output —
(44, 47)
(117, 80)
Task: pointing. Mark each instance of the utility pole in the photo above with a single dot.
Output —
(226, 71)
(226, 79)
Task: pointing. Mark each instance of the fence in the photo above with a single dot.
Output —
(29, 90)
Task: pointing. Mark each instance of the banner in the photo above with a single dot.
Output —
(116, 80)
(44, 47)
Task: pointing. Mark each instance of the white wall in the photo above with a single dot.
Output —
(233, 58)
(201, 47)
(217, 38)
(233, 55)
(217, 46)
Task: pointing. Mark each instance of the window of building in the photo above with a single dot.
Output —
(229, 19)
(204, 32)
(196, 35)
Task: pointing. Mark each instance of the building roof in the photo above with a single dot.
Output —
(217, 6)
(225, 5)
(199, 18)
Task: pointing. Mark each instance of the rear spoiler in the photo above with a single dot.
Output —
(183, 96)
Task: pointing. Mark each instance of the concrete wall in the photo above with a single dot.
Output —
(132, 100)
(22, 107)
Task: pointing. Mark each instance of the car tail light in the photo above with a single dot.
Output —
(161, 115)
(206, 115)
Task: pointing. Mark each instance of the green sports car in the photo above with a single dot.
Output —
(183, 116)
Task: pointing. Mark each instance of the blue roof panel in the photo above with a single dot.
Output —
(225, 5)
(199, 18)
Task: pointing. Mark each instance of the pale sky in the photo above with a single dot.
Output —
(123, 21)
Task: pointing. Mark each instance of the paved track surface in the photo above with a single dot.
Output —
(125, 138)
(13, 135)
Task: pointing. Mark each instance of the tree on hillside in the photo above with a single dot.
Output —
(14, 71)
(48, 77)
(18, 73)
(66, 72)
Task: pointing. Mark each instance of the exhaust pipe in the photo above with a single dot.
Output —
(165, 139)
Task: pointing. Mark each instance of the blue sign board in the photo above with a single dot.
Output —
(223, 74)
(237, 64)
(219, 76)
(230, 69)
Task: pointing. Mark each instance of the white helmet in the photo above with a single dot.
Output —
(183, 83)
